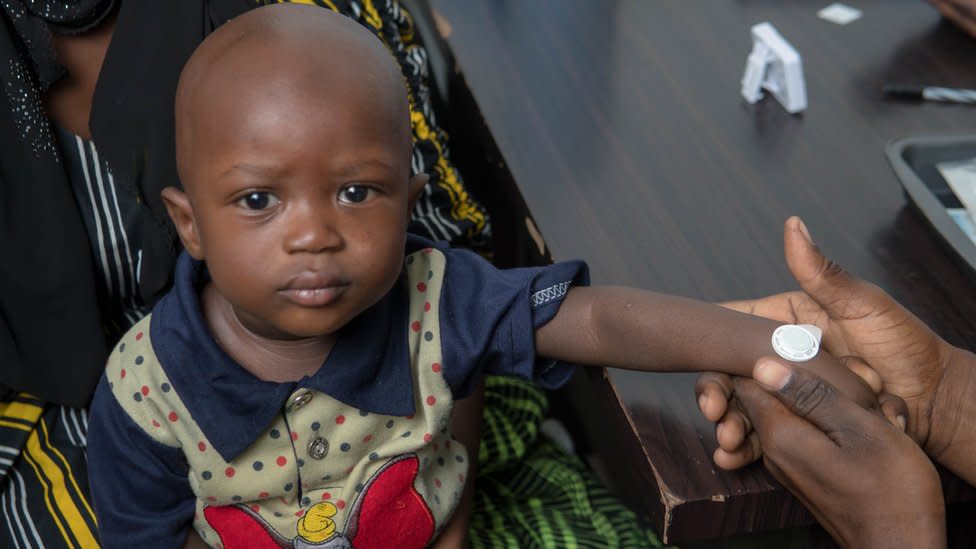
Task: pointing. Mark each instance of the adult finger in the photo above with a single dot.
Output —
(783, 307)
(780, 431)
(713, 390)
(825, 281)
(894, 410)
(747, 306)
(867, 374)
(806, 396)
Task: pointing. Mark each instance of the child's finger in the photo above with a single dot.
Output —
(713, 391)
(732, 430)
(747, 453)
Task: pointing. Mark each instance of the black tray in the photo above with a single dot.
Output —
(914, 160)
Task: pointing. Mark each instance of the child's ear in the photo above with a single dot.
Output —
(416, 185)
(181, 212)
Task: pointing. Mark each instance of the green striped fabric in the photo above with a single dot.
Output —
(530, 494)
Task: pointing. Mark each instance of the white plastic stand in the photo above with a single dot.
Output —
(776, 67)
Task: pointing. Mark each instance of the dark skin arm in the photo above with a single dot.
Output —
(936, 380)
(466, 428)
(642, 330)
(865, 481)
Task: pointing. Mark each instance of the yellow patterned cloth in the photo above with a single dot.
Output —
(445, 210)
(43, 479)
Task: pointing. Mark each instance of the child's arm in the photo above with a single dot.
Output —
(641, 330)
(466, 428)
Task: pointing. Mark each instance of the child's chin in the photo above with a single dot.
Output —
(309, 328)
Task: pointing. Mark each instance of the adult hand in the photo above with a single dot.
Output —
(961, 12)
(738, 443)
(867, 483)
(858, 319)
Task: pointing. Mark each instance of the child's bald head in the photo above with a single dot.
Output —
(278, 61)
(293, 143)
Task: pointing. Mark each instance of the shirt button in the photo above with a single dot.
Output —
(298, 399)
(318, 448)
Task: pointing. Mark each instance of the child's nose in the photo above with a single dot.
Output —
(312, 229)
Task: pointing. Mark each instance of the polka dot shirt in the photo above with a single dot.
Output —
(179, 436)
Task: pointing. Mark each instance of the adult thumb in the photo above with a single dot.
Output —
(806, 395)
(825, 281)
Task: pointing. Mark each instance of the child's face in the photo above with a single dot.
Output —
(299, 199)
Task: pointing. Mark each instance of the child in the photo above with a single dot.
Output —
(296, 387)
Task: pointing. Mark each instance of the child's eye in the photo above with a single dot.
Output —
(354, 194)
(258, 200)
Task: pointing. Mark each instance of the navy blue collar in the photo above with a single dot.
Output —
(368, 368)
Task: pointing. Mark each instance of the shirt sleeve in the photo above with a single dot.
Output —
(489, 317)
(139, 486)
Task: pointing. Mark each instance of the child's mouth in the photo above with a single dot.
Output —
(314, 289)
(313, 297)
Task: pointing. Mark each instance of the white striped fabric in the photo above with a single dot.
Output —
(111, 213)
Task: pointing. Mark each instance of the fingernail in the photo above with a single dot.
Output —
(902, 422)
(805, 231)
(772, 374)
(702, 400)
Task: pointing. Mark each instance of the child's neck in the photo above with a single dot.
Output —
(268, 359)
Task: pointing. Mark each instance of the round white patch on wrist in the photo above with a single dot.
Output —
(797, 342)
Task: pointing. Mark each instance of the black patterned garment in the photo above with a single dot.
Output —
(113, 220)
(530, 493)
(43, 478)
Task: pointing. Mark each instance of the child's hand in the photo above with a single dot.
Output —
(738, 444)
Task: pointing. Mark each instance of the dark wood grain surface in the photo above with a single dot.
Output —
(623, 126)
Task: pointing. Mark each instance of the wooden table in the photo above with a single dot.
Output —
(623, 126)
